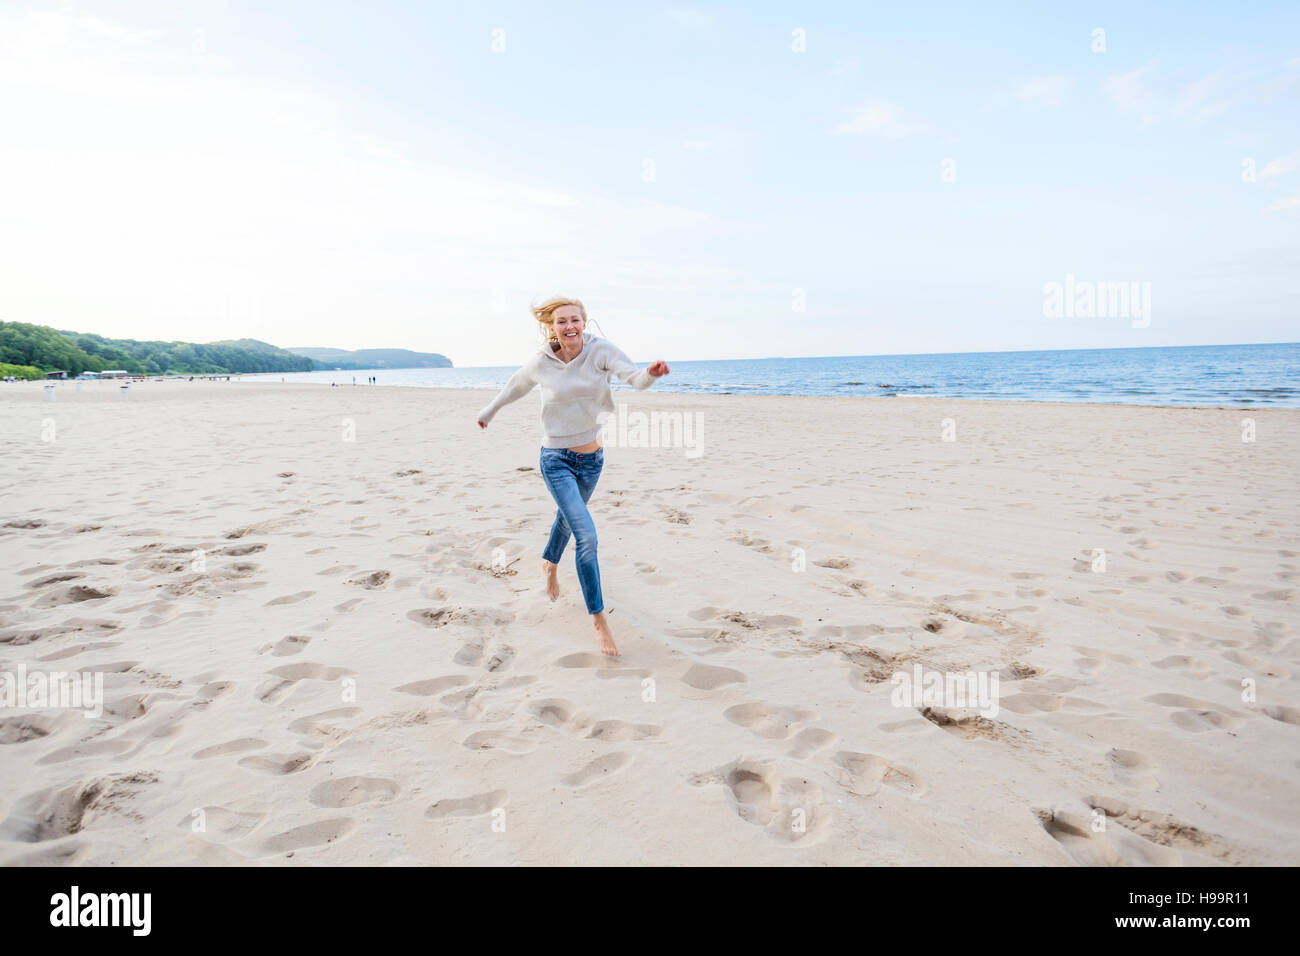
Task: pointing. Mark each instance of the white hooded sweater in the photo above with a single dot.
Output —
(575, 395)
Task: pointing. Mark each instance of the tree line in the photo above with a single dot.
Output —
(40, 347)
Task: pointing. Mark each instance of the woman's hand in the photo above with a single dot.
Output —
(658, 369)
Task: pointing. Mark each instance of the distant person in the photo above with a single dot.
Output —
(573, 370)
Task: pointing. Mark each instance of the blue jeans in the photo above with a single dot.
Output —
(571, 477)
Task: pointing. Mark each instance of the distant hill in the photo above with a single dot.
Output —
(373, 358)
(32, 350)
(251, 345)
(49, 350)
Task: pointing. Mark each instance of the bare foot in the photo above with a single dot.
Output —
(603, 636)
(552, 583)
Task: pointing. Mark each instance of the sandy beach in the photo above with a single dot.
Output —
(319, 618)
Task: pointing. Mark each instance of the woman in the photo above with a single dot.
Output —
(573, 370)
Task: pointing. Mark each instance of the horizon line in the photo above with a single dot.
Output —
(1114, 348)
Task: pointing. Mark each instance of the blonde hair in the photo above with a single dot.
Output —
(545, 316)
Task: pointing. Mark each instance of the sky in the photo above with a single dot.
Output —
(713, 181)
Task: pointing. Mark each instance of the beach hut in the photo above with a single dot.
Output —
(113, 373)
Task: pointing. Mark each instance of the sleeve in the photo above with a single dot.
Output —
(613, 360)
(520, 384)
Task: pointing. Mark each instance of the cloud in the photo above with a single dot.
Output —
(885, 119)
(1280, 167)
(50, 22)
(1155, 95)
(1281, 205)
(1046, 91)
(1132, 90)
(1206, 97)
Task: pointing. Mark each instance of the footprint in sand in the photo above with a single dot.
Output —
(52, 579)
(1132, 769)
(240, 550)
(864, 774)
(1049, 704)
(433, 685)
(494, 740)
(217, 688)
(1185, 663)
(474, 806)
(352, 791)
(1111, 833)
(26, 524)
(586, 660)
(476, 653)
(1287, 715)
(221, 824)
(761, 545)
(309, 835)
(773, 723)
(337, 569)
(1196, 716)
(286, 646)
(596, 770)
(790, 810)
(279, 764)
(1114, 846)
(434, 616)
(965, 722)
(710, 677)
(560, 714)
(835, 564)
(372, 580)
(283, 679)
(675, 515)
(55, 812)
(316, 725)
(1256, 665)
(74, 594)
(239, 746)
(21, 729)
(810, 740)
(289, 598)
(616, 731)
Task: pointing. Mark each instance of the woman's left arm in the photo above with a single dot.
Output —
(614, 360)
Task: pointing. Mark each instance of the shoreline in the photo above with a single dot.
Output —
(757, 395)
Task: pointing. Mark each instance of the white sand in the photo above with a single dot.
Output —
(344, 679)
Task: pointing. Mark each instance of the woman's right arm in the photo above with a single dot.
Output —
(520, 384)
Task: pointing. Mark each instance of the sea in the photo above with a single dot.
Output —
(1232, 375)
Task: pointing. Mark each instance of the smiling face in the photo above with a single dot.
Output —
(567, 325)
